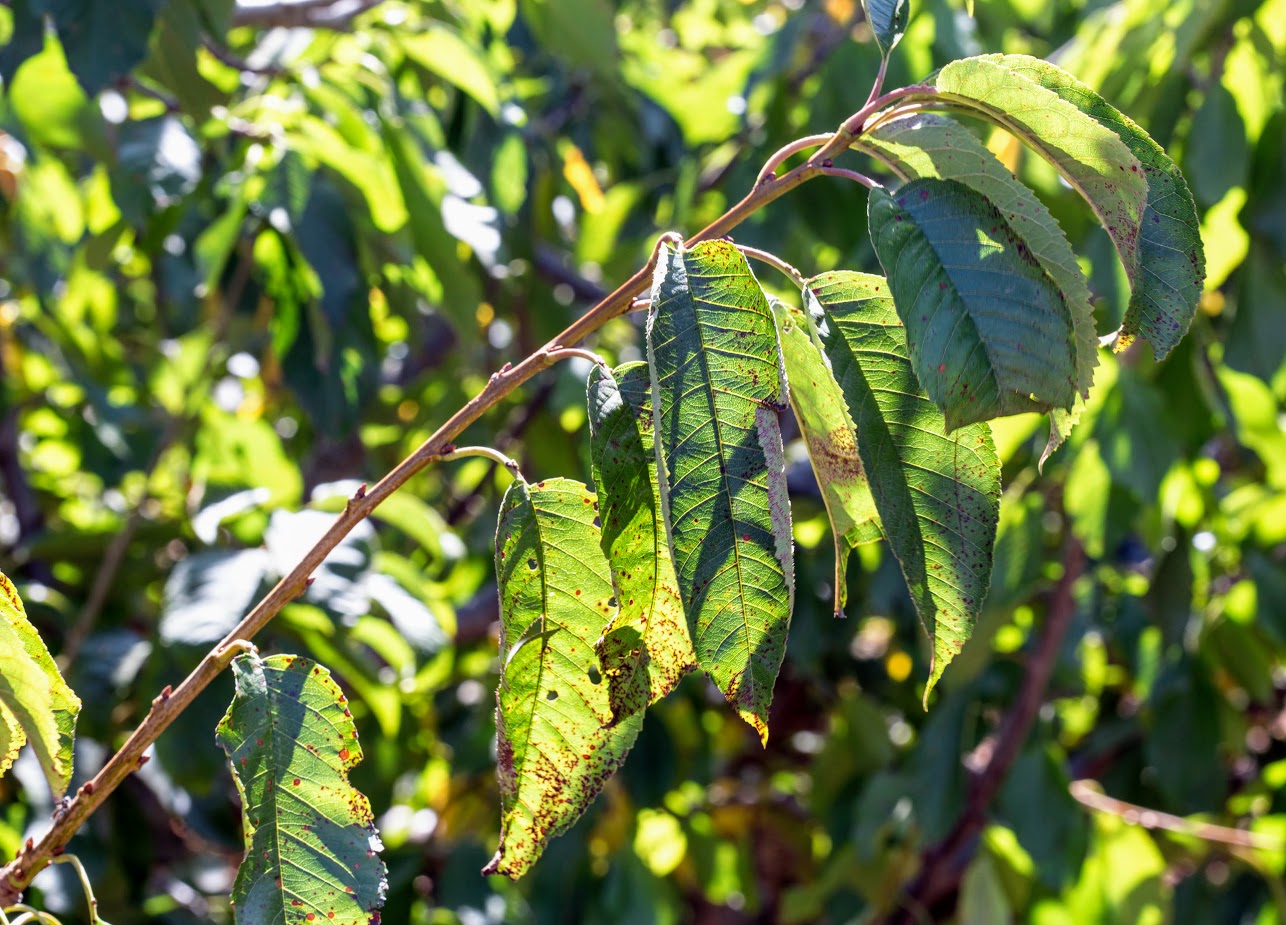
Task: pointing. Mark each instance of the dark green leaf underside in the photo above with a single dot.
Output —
(646, 649)
(938, 493)
(887, 19)
(554, 747)
(989, 332)
(310, 838)
(717, 391)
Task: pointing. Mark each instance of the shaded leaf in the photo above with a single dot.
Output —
(1089, 156)
(83, 27)
(554, 753)
(927, 145)
(1170, 262)
(310, 837)
(938, 493)
(989, 332)
(645, 649)
(716, 389)
(831, 438)
(887, 19)
(36, 705)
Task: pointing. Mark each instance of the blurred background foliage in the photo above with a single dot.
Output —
(251, 255)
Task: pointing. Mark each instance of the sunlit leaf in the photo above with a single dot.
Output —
(310, 837)
(989, 332)
(1169, 262)
(554, 751)
(443, 52)
(831, 438)
(36, 705)
(937, 492)
(1089, 156)
(646, 649)
(717, 389)
(927, 145)
(887, 19)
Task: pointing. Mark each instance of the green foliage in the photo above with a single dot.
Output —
(246, 269)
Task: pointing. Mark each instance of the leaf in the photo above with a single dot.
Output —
(927, 145)
(1089, 156)
(83, 28)
(887, 19)
(310, 837)
(36, 704)
(645, 650)
(831, 438)
(937, 492)
(1170, 262)
(443, 52)
(554, 752)
(716, 391)
(989, 332)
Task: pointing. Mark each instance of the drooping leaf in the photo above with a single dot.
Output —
(831, 438)
(554, 749)
(937, 492)
(310, 837)
(887, 19)
(716, 389)
(1170, 263)
(645, 649)
(1089, 156)
(989, 332)
(442, 51)
(927, 145)
(82, 26)
(36, 704)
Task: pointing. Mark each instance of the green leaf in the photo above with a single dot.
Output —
(82, 26)
(887, 19)
(36, 704)
(831, 438)
(1170, 263)
(1089, 156)
(927, 145)
(989, 332)
(310, 837)
(717, 389)
(645, 650)
(554, 751)
(937, 492)
(443, 52)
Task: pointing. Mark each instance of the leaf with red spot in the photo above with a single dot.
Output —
(554, 748)
(310, 837)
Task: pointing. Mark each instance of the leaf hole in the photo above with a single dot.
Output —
(552, 695)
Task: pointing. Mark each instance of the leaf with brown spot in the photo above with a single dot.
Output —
(831, 438)
(554, 749)
(646, 649)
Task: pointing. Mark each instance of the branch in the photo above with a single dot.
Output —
(34, 857)
(1087, 794)
(303, 14)
(944, 863)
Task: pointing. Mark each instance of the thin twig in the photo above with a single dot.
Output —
(566, 353)
(775, 262)
(782, 154)
(846, 174)
(322, 14)
(1089, 795)
(879, 80)
(485, 452)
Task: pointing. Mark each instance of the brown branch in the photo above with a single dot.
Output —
(944, 864)
(35, 856)
(1087, 794)
(311, 14)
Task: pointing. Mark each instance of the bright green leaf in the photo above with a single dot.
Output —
(310, 837)
(989, 332)
(717, 389)
(1088, 155)
(36, 704)
(831, 438)
(887, 19)
(646, 649)
(554, 752)
(441, 51)
(937, 492)
(1169, 261)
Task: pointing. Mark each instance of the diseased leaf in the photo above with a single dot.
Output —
(1090, 157)
(645, 649)
(927, 145)
(36, 704)
(554, 749)
(716, 388)
(937, 492)
(831, 438)
(1170, 263)
(887, 19)
(989, 332)
(310, 837)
